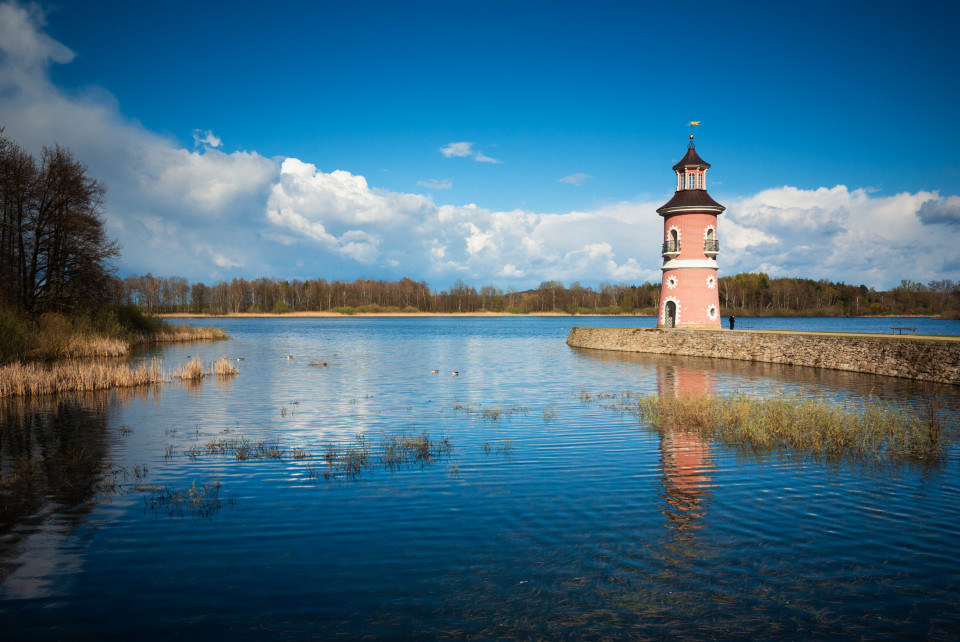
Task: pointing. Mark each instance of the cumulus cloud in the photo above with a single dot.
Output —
(434, 183)
(940, 210)
(839, 233)
(339, 214)
(575, 179)
(333, 209)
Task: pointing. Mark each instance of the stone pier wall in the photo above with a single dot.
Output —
(921, 358)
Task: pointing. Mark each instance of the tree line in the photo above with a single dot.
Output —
(177, 294)
(744, 294)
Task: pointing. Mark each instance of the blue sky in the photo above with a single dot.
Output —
(498, 143)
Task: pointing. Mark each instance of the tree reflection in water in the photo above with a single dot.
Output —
(53, 454)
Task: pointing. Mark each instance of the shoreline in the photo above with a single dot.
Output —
(318, 314)
(934, 358)
(324, 314)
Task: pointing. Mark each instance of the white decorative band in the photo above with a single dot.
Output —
(680, 264)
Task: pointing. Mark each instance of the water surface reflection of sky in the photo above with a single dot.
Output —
(556, 518)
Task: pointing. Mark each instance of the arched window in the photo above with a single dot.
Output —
(710, 245)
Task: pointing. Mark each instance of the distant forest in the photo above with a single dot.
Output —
(745, 294)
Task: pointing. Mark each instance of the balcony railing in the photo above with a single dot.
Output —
(671, 247)
(711, 247)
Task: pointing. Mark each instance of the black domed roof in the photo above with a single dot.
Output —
(691, 199)
(691, 159)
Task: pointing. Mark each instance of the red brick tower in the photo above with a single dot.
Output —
(689, 295)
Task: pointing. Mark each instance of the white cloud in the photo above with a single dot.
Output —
(340, 214)
(434, 183)
(457, 149)
(222, 261)
(480, 157)
(839, 234)
(575, 179)
(465, 149)
(334, 208)
(206, 138)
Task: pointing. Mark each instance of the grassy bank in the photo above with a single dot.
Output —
(55, 353)
(104, 332)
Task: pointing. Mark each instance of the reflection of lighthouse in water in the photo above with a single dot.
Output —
(685, 454)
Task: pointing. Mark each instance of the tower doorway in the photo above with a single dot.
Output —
(670, 315)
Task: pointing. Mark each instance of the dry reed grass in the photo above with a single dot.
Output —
(95, 345)
(32, 379)
(871, 431)
(191, 371)
(223, 367)
(170, 333)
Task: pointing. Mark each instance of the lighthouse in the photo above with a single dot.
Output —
(689, 296)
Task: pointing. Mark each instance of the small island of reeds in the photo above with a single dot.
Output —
(870, 431)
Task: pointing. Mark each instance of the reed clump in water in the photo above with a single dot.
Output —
(401, 450)
(31, 379)
(223, 367)
(174, 333)
(202, 501)
(492, 414)
(193, 369)
(337, 461)
(240, 447)
(20, 379)
(872, 430)
(393, 453)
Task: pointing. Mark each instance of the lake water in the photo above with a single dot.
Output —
(550, 515)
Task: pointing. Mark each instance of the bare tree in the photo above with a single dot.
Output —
(54, 252)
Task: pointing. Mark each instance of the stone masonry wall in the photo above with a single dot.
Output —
(913, 358)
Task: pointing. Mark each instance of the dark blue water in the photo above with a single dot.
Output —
(550, 517)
